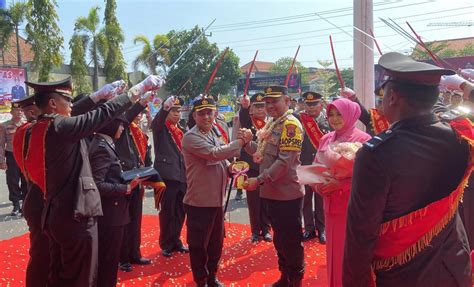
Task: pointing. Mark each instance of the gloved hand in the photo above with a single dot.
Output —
(245, 102)
(147, 98)
(152, 82)
(107, 92)
(347, 93)
(168, 104)
(120, 86)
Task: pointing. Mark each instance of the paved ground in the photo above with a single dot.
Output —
(11, 226)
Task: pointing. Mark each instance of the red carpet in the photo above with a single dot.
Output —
(242, 263)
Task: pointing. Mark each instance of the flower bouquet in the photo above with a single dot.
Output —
(336, 162)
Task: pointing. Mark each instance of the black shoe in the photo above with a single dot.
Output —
(308, 235)
(284, 281)
(267, 237)
(322, 237)
(141, 261)
(181, 249)
(254, 238)
(126, 267)
(238, 195)
(166, 253)
(214, 282)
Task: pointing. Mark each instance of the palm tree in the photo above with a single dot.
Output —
(152, 56)
(94, 37)
(11, 20)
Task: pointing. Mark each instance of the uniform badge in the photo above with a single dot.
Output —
(205, 102)
(268, 90)
(310, 97)
(260, 98)
(291, 136)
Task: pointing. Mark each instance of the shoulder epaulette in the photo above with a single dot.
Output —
(102, 143)
(377, 140)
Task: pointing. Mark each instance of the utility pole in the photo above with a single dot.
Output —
(363, 56)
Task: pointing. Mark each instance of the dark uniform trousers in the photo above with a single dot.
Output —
(110, 243)
(16, 191)
(74, 252)
(285, 218)
(259, 221)
(38, 265)
(132, 233)
(172, 215)
(466, 211)
(205, 226)
(313, 216)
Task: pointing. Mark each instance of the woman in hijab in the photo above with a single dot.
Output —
(342, 117)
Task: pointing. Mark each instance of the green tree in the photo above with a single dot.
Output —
(88, 28)
(467, 50)
(6, 29)
(198, 63)
(154, 55)
(348, 78)
(44, 36)
(114, 64)
(325, 82)
(79, 69)
(282, 66)
(435, 47)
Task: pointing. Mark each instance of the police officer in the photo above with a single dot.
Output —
(15, 180)
(278, 152)
(57, 163)
(115, 199)
(252, 116)
(315, 125)
(169, 162)
(403, 224)
(205, 159)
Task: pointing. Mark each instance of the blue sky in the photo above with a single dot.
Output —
(280, 37)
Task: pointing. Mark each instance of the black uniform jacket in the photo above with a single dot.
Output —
(125, 147)
(414, 163)
(106, 169)
(66, 176)
(246, 122)
(308, 151)
(169, 161)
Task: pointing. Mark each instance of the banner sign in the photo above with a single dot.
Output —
(12, 86)
(258, 84)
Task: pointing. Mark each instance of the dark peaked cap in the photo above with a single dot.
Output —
(401, 68)
(25, 102)
(62, 87)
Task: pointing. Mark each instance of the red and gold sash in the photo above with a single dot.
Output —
(176, 133)
(224, 135)
(140, 140)
(401, 239)
(257, 123)
(379, 122)
(19, 145)
(35, 160)
(312, 129)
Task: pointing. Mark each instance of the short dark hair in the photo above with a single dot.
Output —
(42, 99)
(417, 96)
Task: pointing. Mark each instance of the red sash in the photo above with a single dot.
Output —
(35, 160)
(176, 133)
(401, 239)
(312, 129)
(224, 135)
(257, 123)
(140, 140)
(19, 145)
(379, 122)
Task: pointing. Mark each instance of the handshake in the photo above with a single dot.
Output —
(245, 135)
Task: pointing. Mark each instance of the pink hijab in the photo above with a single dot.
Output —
(350, 112)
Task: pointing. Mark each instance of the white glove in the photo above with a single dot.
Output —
(168, 104)
(468, 73)
(105, 93)
(245, 102)
(347, 93)
(147, 98)
(120, 86)
(151, 82)
(451, 83)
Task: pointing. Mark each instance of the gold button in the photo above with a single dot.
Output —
(116, 203)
